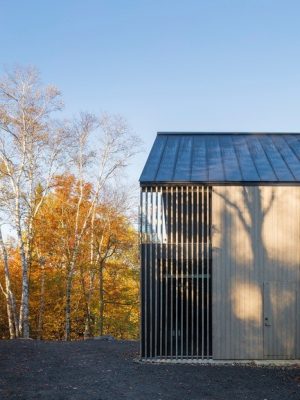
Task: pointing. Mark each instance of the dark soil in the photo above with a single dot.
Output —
(100, 370)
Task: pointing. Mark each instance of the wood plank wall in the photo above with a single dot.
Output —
(255, 239)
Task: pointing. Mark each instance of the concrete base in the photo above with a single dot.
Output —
(258, 363)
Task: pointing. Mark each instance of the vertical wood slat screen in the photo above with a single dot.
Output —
(176, 272)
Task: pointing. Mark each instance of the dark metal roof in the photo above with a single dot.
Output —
(224, 158)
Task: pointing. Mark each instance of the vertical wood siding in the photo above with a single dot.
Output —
(255, 239)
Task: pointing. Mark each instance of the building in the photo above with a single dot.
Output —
(220, 247)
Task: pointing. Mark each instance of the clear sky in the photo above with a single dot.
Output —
(193, 65)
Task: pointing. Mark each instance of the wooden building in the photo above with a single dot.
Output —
(220, 247)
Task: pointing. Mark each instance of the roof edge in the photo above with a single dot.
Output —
(219, 183)
(227, 133)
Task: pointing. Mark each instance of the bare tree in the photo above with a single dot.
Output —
(31, 145)
(113, 146)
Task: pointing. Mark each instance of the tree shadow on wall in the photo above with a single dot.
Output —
(242, 270)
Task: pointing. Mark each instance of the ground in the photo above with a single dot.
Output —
(100, 370)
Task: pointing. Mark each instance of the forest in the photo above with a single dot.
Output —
(68, 237)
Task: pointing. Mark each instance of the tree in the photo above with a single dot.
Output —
(8, 293)
(68, 231)
(113, 149)
(94, 294)
(31, 146)
(110, 239)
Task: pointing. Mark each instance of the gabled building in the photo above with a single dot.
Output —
(220, 247)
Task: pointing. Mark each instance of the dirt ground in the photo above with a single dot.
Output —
(100, 370)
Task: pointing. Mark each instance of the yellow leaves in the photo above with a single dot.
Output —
(109, 242)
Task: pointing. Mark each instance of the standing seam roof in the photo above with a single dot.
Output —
(223, 158)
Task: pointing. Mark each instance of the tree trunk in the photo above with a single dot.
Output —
(42, 302)
(24, 308)
(86, 296)
(101, 300)
(10, 299)
(15, 315)
(28, 249)
(68, 305)
(89, 300)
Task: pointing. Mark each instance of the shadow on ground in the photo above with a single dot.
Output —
(98, 370)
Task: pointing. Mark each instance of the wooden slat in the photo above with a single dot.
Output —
(151, 285)
(167, 271)
(146, 274)
(176, 289)
(176, 274)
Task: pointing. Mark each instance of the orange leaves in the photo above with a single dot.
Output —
(106, 270)
(109, 245)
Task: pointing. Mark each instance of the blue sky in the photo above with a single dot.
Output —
(190, 65)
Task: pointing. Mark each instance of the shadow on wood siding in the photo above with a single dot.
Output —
(255, 241)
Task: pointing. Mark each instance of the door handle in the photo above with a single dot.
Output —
(267, 324)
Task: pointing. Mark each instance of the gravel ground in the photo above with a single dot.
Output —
(99, 370)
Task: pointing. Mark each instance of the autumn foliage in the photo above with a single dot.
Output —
(110, 284)
(68, 243)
